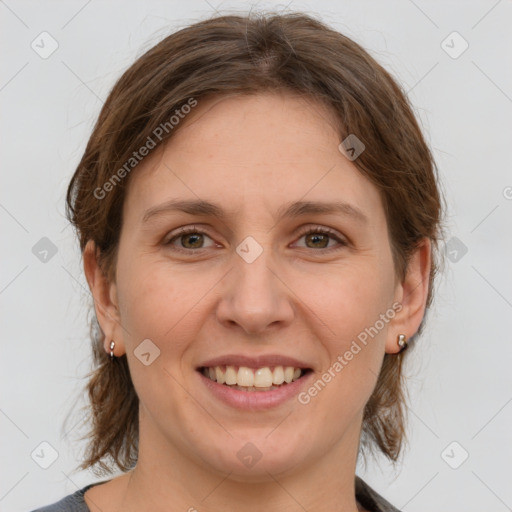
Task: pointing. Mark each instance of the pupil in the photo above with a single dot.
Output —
(315, 237)
(194, 245)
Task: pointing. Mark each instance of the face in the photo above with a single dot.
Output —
(262, 278)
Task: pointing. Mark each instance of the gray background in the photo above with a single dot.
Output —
(460, 378)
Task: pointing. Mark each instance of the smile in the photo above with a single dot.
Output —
(244, 378)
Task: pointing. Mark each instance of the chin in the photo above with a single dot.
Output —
(255, 458)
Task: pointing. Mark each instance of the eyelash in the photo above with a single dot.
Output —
(306, 231)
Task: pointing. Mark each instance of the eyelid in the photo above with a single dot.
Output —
(185, 230)
(305, 230)
(342, 241)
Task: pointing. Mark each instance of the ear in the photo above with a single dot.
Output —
(412, 294)
(104, 294)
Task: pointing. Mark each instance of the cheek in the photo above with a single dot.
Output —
(148, 300)
(157, 305)
(353, 335)
(350, 297)
(354, 308)
(161, 303)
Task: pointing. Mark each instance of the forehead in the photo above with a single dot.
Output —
(247, 151)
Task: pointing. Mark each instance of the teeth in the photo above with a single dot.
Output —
(249, 379)
(278, 375)
(245, 377)
(230, 375)
(263, 378)
(219, 376)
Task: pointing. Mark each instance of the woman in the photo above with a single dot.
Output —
(259, 218)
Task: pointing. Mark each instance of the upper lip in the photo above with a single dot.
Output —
(270, 360)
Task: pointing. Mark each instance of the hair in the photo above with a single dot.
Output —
(248, 55)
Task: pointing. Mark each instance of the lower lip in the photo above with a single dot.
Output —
(256, 400)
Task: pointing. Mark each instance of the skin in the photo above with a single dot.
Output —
(250, 155)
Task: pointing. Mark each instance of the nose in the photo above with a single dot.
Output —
(255, 296)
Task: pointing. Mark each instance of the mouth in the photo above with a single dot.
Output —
(244, 378)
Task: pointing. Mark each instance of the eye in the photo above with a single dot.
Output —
(188, 240)
(319, 238)
(192, 239)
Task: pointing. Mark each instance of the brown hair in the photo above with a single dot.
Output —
(247, 55)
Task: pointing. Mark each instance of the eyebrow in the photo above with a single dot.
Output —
(288, 210)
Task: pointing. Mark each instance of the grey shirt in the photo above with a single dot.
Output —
(365, 495)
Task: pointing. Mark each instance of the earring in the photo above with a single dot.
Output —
(112, 345)
(402, 341)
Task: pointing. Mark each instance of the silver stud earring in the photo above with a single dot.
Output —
(402, 341)
(112, 345)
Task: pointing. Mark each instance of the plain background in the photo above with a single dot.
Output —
(460, 378)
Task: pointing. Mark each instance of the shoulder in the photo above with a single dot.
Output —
(72, 503)
(370, 499)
